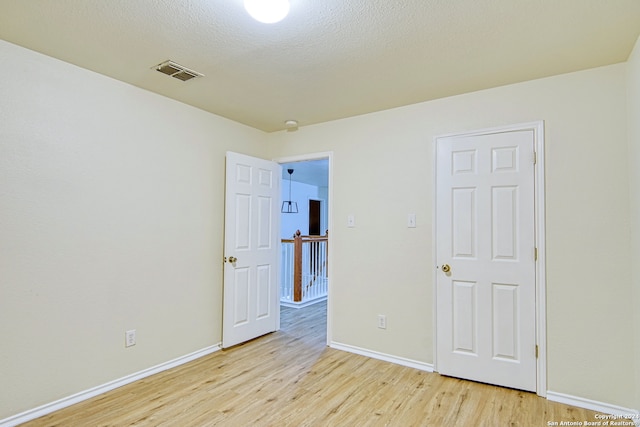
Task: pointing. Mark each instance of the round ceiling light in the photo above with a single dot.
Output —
(267, 11)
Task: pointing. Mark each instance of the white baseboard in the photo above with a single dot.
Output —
(48, 408)
(382, 356)
(601, 407)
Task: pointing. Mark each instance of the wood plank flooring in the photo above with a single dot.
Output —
(290, 378)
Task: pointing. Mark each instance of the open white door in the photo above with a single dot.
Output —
(252, 216)
(485, 233)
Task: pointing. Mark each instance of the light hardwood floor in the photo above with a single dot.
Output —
(290, 378)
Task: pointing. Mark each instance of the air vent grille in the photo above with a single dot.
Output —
(177, 71)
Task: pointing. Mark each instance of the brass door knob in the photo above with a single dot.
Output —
(446, 268)
(232, 259)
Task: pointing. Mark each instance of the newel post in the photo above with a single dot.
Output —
(297, 267)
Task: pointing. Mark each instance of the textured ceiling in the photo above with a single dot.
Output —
(328, 59)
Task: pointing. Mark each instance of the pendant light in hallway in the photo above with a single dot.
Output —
(289, 206)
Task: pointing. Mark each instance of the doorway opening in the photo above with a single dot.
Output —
(304, 261)
(315, 214)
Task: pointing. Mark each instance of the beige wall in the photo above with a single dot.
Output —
(111, 218)
(383, 171)
(633, 75)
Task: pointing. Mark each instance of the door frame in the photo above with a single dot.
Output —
(539, 235)
(319, 156)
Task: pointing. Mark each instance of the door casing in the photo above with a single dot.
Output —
(539, 202)
(318, 156)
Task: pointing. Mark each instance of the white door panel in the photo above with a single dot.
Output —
(485, 232)
(251, 224)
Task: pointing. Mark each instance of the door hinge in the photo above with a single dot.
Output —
(535, 157)
(535, 254)
(536, 351)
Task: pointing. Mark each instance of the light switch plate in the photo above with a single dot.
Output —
(351, 221)
(411, 220)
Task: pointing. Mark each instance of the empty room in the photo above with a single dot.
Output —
(480, 220)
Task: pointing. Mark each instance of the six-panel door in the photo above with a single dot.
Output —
(251, 248)
(485, 234)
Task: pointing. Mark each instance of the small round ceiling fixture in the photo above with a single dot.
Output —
(291, 125)
(267, 11)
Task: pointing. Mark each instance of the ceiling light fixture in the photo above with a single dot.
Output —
(291, 125)
(289, 206)
(267, 11)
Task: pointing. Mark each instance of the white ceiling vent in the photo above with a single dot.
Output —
(177, 71)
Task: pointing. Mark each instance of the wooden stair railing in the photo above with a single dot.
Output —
(317, 269)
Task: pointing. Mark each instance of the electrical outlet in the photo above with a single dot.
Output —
(130, 338)
(382, 321)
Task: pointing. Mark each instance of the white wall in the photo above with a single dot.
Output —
(111, 218)
(382, 170)
(300, 193)
(633, 76)
(323, 194)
